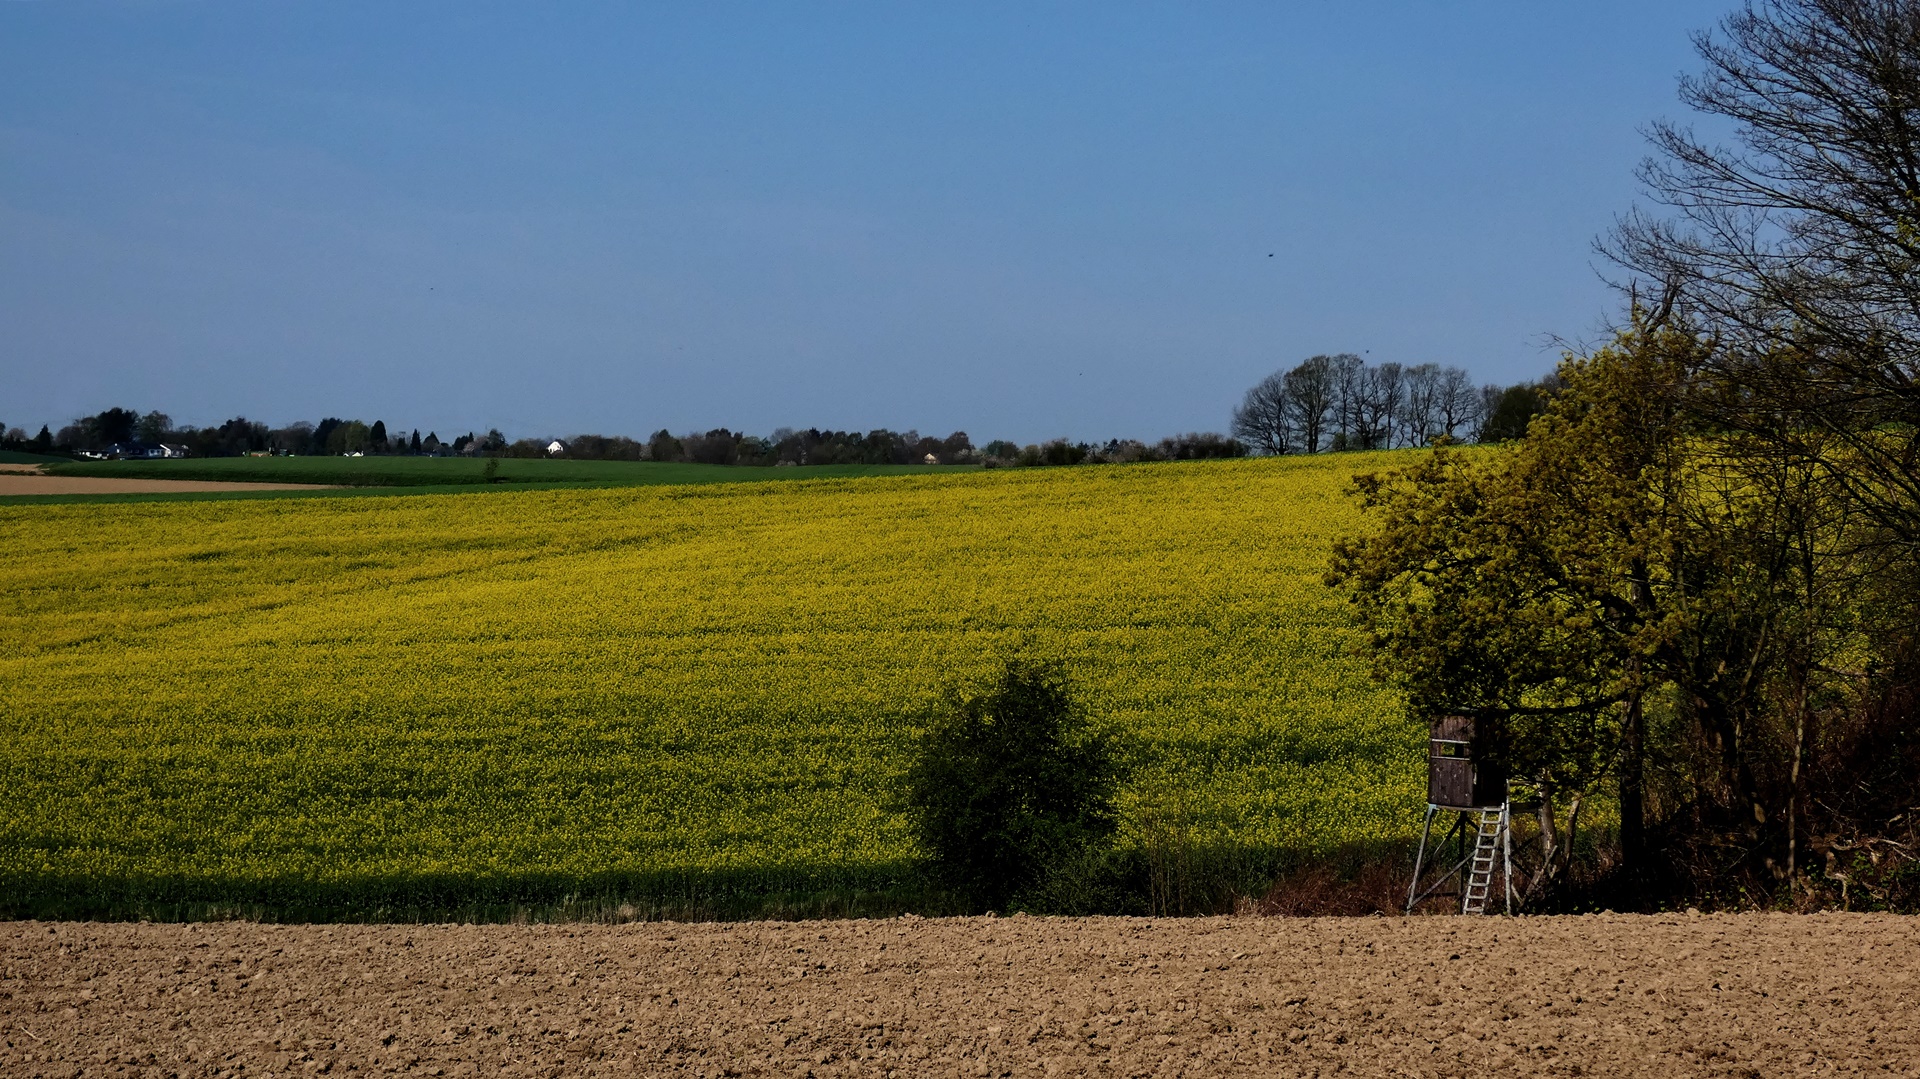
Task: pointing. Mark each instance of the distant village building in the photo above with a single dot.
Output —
(172, 449)
(931, 460)
(556, 448)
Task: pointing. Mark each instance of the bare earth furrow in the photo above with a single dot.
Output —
(1616, 995)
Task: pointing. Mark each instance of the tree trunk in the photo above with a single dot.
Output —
(1549, 844)
(1633, 802)
(1633, 744)
(1548, 840)
(1573, 832)
(1793, 786)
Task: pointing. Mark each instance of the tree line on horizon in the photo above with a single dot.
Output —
(127, 429)
(1327, 403)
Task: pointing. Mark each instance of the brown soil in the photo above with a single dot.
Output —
(1733, 995)
(16, 482)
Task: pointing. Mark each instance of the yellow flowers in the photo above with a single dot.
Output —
(523, 694)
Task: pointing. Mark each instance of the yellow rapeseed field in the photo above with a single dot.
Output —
(521, 696)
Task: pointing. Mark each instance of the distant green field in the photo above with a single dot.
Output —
(460, 471)
(15, 457)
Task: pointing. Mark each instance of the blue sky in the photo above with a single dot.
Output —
(1020, 220)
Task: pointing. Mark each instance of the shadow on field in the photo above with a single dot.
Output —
(1356, 880)
(1154, 879)
(710, 895)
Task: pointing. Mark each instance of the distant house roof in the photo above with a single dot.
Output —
(556, 446)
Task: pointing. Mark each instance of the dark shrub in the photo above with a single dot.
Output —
(1200, 446)
(664, 447)
(1009, 786)
(717, 447)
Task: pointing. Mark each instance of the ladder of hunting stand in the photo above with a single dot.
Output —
(1490, 830)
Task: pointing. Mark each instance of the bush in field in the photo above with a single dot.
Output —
(1010, 785)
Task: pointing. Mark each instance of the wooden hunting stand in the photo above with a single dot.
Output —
(1466, 779)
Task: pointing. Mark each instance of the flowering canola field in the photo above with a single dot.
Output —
(507, 697)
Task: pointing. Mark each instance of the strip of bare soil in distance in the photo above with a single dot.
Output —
(14, 482)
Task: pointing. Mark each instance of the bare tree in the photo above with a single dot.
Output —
(1489, 402)
(1345, 376)
(1390, 380)
(1798, 245)
(1311, 394)
(1264, 419)
(1457, 404)
(1379, 403)
(1341, 402)
(296, 437)
(1420, 420)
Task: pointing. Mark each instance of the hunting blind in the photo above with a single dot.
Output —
(1466, 777)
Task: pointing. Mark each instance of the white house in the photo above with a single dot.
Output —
(556, 448)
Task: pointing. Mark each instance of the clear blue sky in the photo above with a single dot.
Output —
(1021, 220)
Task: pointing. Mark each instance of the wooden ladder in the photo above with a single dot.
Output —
(1489, 830)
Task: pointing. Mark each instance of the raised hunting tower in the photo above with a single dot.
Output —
(1467, 778)
(1463, 766)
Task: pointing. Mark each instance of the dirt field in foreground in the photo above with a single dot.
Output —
(1738, 995)
(28, 480)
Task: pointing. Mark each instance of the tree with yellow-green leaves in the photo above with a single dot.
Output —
(1646, 604)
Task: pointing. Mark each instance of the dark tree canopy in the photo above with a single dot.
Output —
(1511, 410)
(1009, 783)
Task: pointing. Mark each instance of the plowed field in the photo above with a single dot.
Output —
(30, 481)
(1745, 995)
